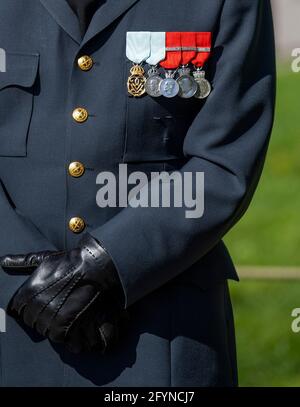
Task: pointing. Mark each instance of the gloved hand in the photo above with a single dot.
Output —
(74, 297)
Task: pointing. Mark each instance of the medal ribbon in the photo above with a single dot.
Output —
(173, 56)
(138, 46)
(203, 43)
(188, 45)
(158, 48)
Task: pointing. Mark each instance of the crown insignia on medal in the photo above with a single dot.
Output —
(137, 70)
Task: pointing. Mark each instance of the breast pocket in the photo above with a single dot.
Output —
(16, 102)
(156, 127)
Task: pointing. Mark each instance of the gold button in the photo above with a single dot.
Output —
(85, 63)
(80, 115)
(76, 225)
(76, 169)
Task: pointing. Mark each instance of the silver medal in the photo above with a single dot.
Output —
(153, 83)
(169, 88)
(187, 84)
(204, 87)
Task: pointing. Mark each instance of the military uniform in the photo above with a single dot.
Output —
(66, 116)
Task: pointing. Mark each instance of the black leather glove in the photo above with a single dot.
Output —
(74, 297)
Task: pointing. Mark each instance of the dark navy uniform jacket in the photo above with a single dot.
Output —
(226, 137)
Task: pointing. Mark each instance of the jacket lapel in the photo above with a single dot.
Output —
(65, 17)
(110, 11)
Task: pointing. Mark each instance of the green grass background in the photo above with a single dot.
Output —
(268, 350)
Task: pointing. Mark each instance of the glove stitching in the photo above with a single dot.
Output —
(53, 296)
(60, 304)
(54, 282)
(68, 327)
(30, 299)
(56, 311)
(89, 251)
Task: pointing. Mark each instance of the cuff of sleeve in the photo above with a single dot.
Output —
(110, 246)
(121, 244)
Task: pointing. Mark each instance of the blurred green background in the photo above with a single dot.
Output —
(268, 350)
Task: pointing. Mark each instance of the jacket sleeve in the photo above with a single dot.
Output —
(18, 234)
(227, 141)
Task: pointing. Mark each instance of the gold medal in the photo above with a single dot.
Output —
(136, 81)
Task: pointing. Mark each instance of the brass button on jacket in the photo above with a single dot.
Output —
(76, 169)
(76, 225)
(80, 115)
(85, 63)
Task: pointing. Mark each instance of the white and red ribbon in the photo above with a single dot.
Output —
(169, 49)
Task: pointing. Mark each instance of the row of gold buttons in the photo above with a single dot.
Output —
(76, 168)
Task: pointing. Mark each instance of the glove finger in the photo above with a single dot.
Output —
(18, 270)
(23, 263)
(17, 303)
(12, 260)
(96, 331)
(84, 301)
(85, 330)
(111, 327)
(92, 338)
(84, 334)
(75, 342)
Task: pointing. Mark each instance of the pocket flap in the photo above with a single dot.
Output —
(21, 70)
